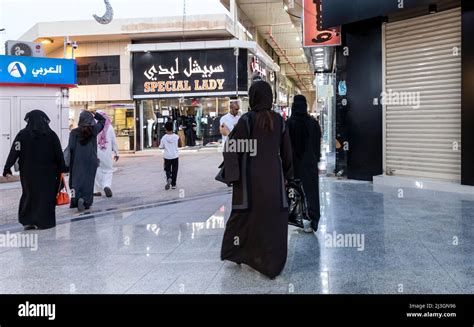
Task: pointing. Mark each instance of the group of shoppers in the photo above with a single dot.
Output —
(257, 230)
(41, 161)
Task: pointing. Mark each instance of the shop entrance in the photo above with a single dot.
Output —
(195, 120)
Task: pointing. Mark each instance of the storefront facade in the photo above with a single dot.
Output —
(192, 88)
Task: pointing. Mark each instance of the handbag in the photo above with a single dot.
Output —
(297, 204)
(220, 177)
(62, 197)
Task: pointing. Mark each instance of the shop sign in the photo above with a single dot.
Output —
(184, 72)
(35, 71)
(314, 34)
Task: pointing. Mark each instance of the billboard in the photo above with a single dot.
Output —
(35, 71)
(189, 72)
(314, 35)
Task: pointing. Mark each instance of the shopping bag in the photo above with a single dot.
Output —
(62, 197)
(296, 204)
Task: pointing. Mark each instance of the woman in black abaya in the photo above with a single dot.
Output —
(305, 135)
(38, 151)
(82, 159)
(256, 233)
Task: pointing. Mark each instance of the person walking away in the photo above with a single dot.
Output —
(81, 155)
(38, 151)
(305, 135)
(170, 143)
(229, 120)
(256, 233)
(106, 146)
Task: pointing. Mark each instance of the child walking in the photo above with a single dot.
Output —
(170, 143)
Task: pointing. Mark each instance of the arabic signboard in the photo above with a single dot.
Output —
(314, 34)
(32, 71)
(193, 73)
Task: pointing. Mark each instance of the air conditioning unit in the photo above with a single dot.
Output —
(26, 49)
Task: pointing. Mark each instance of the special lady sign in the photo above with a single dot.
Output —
(194, 72)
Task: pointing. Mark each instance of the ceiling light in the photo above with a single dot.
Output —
(318, 50)
(285, 8)
(293, 25)
(46, 41)
(297, 38)
(319, 54)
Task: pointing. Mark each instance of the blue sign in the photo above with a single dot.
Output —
(35, 71)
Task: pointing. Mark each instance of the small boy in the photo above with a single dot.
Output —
(170, 143)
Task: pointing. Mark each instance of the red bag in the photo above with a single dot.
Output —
(63, 197)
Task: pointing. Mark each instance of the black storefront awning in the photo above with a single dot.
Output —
(340, 12)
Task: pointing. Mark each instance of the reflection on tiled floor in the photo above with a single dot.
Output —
(420, 242)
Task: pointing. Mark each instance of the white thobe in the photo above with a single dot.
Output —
(103, 177)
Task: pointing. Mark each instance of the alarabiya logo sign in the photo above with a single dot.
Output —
(17, 69)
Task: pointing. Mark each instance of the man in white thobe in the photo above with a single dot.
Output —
(107, 151)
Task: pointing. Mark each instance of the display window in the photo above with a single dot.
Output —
(121, 115)
(195, 120)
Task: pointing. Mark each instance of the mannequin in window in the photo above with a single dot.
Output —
(198, 118)
(149, 119)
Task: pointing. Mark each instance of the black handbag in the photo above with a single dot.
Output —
(298, 208)
(220, 177)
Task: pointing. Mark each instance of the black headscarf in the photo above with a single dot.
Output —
(86, 119)
(297, 124)
(37, 123)
(260, 96)
(261, 102)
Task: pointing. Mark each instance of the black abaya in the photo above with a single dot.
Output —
(41, 162)
(256, 233)
(305, 135)
(83, 159)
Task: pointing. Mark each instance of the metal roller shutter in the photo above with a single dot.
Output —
(421, 57)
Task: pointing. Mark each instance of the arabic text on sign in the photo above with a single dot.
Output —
(193, 68)
(45, 71)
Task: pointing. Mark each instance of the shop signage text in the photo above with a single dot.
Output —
(28, 71)
(181, 72)
(313, 32)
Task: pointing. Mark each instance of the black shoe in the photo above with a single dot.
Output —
(30, 227)
(108, 192)
(173, 187)
(80, 205)
(314, 224)
(168, 183)
(97, 194)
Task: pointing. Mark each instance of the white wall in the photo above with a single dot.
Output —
(17, 101)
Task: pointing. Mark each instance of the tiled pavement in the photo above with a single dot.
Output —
(421, 243)
(139, 180)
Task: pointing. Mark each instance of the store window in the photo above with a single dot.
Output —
(122, 117)
(98, 70)
(195, 120)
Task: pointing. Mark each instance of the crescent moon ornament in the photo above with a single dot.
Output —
(108, 16)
